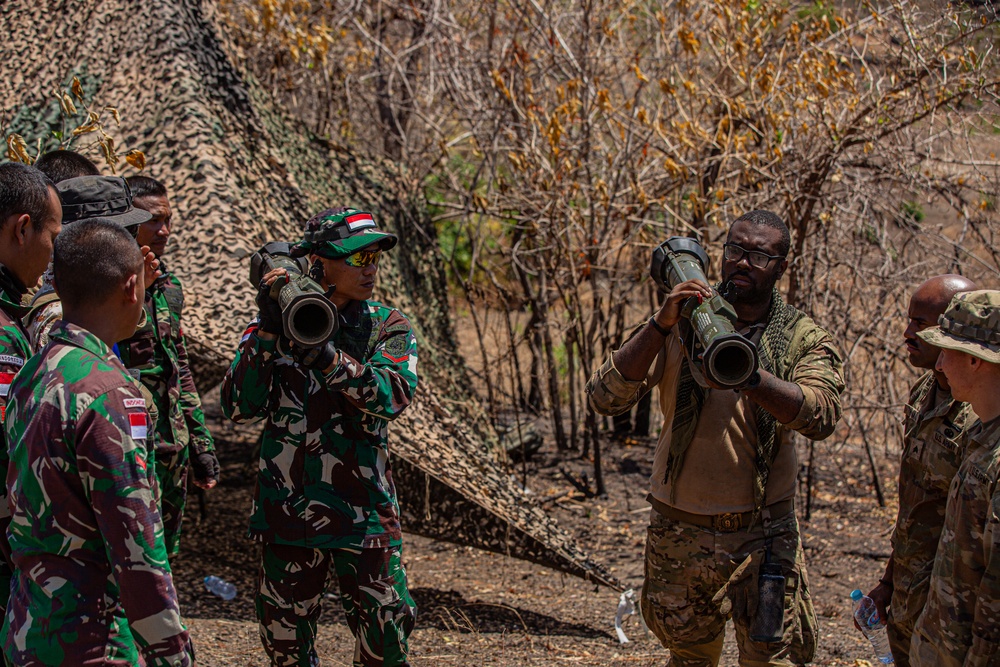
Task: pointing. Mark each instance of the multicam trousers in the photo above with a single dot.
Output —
(686, 566)
(172, 475)
(379, 609)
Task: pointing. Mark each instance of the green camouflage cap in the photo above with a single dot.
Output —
(339, 232)
(971, 324)
(100, 197)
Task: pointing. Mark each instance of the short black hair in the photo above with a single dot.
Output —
(146, 186)
(772, 220)
(91, 260)
(24, 189)
(61, 164)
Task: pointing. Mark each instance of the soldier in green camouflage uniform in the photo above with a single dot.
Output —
(724, 470)
(30, 219)
(933, 427)
(325, 495)
(960, 624)
(85, 534)
(157, 353)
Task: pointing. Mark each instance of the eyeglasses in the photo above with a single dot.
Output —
(756, 258)
(363, 258)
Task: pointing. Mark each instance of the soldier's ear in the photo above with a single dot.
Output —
(132, 289)
(22, 225)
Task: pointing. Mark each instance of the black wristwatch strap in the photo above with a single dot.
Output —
(656, 325)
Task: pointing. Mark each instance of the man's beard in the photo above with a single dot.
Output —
(754, 293)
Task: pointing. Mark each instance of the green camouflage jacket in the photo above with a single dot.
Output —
(933, 425)
(85, 533)
(961, 623)
(158, 354)
(14, 353)
(325, 479)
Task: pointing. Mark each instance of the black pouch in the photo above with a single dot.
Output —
(769, 621)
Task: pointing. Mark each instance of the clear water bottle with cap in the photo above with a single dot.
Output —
(871, 625)
(220, 587)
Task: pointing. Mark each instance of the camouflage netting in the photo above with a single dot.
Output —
(241, 174)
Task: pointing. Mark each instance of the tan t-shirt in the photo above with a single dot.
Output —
(717, 474)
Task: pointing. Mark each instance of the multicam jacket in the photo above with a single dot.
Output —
(158, 353)
(325, 479)
(85, 534)
(934, 425)
(961, 623)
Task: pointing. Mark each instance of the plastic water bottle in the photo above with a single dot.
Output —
(871, 625)
(220, 587)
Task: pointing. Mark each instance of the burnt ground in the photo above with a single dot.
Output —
(491, 610)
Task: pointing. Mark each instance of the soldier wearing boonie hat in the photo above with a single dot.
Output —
(325, 496)
(85, 198)
(959, 624)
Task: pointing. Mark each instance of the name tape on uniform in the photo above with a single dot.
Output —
(135, 402)
(12, 360)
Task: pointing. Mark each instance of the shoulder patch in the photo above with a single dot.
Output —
(135, 403)
(137, 423)
(5, 380)
(395, 348)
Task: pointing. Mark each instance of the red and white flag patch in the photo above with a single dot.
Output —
(359, 221)
(5, 380)
(138, 425)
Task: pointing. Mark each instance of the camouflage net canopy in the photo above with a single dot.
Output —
(240, 174)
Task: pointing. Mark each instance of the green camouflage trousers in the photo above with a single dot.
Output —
(377, 603)
(686, 566)
(172, 475)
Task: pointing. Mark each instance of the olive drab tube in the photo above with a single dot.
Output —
(308, 318)
(725, 357)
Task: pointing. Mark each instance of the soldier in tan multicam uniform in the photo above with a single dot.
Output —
(933, 427)
(724, 470)
(960, 624)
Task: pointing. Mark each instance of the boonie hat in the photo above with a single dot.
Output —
(340, 232)
(99, 197)
(971, 324)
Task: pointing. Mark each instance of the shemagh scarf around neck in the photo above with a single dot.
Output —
(773, 352)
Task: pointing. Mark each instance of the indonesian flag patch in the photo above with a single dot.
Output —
(5, 380)
(137, 424)
(359, 221)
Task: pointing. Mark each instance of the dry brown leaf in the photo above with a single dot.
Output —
(77, 89)
(17, 149)
(66, 102)
(137, 159)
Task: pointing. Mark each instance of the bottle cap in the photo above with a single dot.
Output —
(856, 594)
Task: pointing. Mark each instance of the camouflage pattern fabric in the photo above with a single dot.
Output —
(325, 479)
(373, 590)
(45, 310)
(686, 566)
(934, 425)
(85, 533)
(157, 353)
(961, 623)
(14, 353)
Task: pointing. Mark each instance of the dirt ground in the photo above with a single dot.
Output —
(490, 610)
